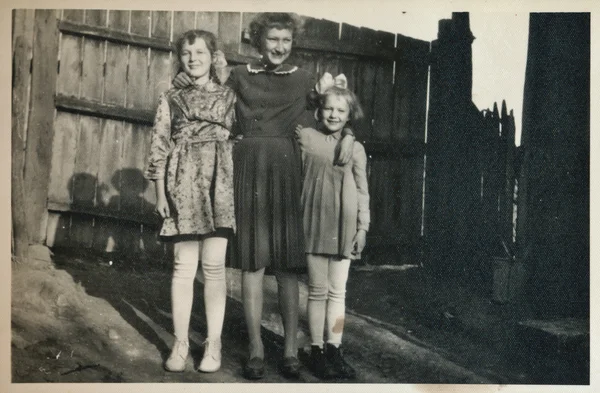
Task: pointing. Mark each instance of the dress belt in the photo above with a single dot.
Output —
(268, 136)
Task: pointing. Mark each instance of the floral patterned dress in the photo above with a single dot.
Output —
(192, 152)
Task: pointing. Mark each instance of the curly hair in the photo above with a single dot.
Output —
(356, 111)
(190, 37)
(279, 20)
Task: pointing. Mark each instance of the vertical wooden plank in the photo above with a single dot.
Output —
(116, 61)
(182, 22)
(63, 158)
(132, 164)
(110, 163)
(383, 109)
(92, 77)
(366, 94)
(133, 183)
(40, 131)
(118, 20)
(159, 74)
(22, 49)
(69, 76)
(383, 101)
(229, 31)
(161, 24)
(401, 95)
(109, 183)
(137, 69)
(83, 181)
(87, 157)
(208, 21)
(96, 17)
(140, 23)
(138, 95)
(92, 74)
(73, 15)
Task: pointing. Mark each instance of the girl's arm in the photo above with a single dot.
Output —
(162, 205)
(359, 169)
(160, 148)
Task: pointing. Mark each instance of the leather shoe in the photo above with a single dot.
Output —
(291, 367)
(254, 368)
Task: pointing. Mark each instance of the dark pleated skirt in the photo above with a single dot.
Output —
(267, 190)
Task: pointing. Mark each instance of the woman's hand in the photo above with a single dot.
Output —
(359, 241)
(237, 138)
(162, 207)
(219, 60)
(182, 80)
(344, 150)
(299, 128)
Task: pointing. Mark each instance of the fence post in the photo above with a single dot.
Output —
(40, 132)
(21, 51)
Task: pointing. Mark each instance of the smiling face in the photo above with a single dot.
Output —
(335, 113)
(276, 46)
(196, 60)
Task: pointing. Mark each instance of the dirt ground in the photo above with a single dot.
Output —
(85, 318)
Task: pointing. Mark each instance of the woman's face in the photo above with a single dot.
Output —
(276, 46)
(196, 59)
(335, 113)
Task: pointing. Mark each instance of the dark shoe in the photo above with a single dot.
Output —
(338, 366)
(291, 367)
(254, 368)
(317, 362)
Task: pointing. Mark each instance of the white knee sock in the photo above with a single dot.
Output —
(215, 287)
(336, 300)
(317, 296)
(182, 286)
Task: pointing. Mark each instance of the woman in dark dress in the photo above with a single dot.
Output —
(272, 99)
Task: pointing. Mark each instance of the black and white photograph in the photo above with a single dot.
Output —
(311, 195)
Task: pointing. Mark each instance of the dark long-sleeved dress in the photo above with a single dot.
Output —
(267, 166)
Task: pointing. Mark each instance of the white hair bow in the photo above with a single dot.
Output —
(327, 81)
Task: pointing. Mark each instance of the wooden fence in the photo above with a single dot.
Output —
(97, 75)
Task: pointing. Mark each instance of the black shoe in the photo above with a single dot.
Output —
(338, 368)
(254, 368)
(291, 368)
(317, 362)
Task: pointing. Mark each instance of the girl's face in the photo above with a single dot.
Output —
(196, 60)
(276, 46)
(335, 113)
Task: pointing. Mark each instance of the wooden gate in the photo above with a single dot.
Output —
(113, 64)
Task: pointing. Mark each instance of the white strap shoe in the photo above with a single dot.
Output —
(177, 359)
(211, 361)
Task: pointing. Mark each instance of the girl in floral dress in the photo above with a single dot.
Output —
(191, 164)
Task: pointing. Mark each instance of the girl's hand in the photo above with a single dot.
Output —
(182, 80)
(299, 128)
(237, 138)
(359, 241)
(344, 150)
(162, 207)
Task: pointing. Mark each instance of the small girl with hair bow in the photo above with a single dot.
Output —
(335, 201)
